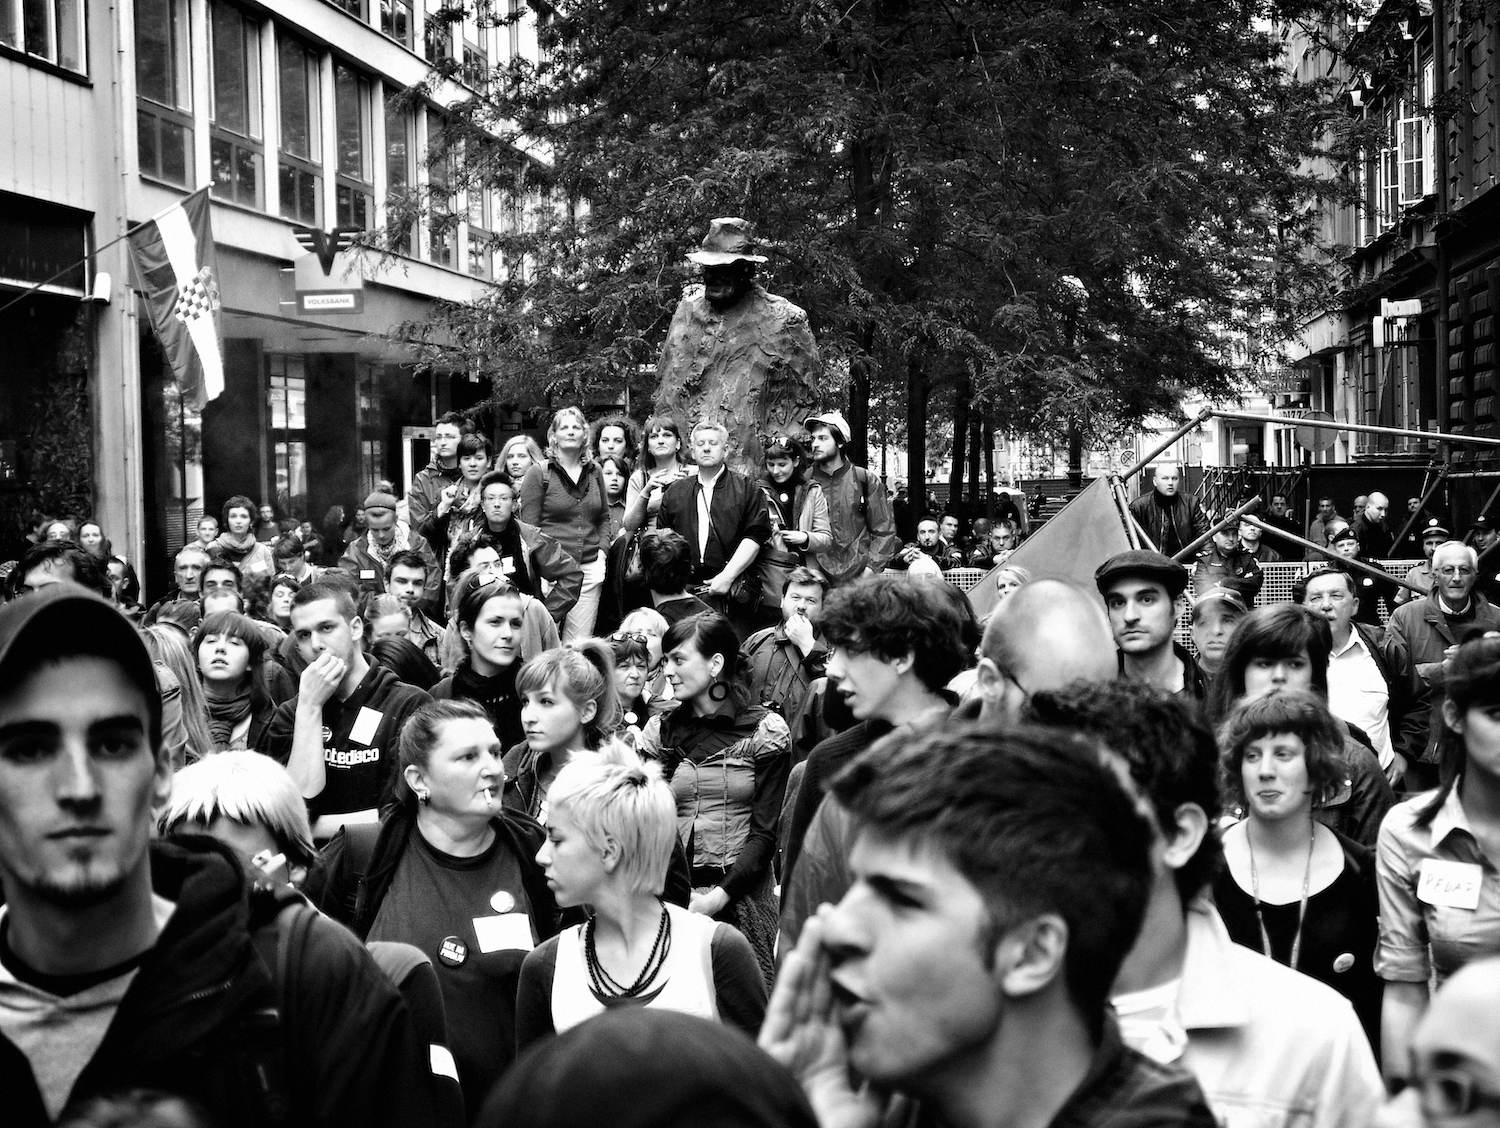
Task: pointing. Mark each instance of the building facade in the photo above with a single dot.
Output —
(303, 116)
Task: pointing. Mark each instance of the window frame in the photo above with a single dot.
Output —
(160, 115)
(50, 57)
(394, 6)
(402, 117)
(300, 167)
(252, 141)
(346, 184)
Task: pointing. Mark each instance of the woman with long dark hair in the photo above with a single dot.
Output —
(453, 872)
(491, 618)
(231, 650)
(1293, 889)
(727, 760)
(661, 464)
(1437, 858)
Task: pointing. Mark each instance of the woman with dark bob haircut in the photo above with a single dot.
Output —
(727, 760)
(1291, 888)
(1421, 942)
(1286, 647)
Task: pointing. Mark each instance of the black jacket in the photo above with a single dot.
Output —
(737, 511)
(1171, 527)
(208, 1019)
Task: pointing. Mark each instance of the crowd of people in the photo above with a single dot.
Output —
(605, 777)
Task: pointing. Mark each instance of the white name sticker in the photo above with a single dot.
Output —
(508, 565)
(365, 725)
(442, 1061)
(507, 931)
(367, 573)
(1454, 885)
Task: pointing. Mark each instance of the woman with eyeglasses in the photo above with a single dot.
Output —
(1436, 861)
(1292, 888)
(727, 760)
(452, 871)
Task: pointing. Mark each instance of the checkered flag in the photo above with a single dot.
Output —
(176, 271)
(199, 297)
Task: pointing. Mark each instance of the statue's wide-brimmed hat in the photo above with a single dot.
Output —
(728, 240)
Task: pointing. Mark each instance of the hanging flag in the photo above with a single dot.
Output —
(1086, 533)
(177, 271)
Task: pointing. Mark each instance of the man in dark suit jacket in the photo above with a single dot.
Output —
(722, 514)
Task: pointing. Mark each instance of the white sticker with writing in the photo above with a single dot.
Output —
(367, 573)
(508, 565)
(1453, 885)
(509, 930)
(365, 725)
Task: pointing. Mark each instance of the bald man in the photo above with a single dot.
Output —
(1375, 537)
(1047, 634)
(1171, 518)
(1452, 1072)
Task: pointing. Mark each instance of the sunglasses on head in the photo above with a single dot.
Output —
(628, 636)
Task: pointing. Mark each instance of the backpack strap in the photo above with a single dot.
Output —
(278, 927)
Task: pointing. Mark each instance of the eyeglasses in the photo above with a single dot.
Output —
(629, 636)
(1448, 1093)
(1455, 570)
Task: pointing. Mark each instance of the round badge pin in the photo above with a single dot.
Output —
(1344, 962)
(453, 951)
(502, 902)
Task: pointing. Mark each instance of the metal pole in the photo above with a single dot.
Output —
(1341, 561)
(1411, 518)
(1474, 474)
(1223, 523)
(1432, 436)
(1195, 421)
(1116, 492)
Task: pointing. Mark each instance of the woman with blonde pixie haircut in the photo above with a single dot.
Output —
(611, 829)
(248, 802)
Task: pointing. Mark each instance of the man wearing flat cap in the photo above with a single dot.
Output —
(1143, 594)
(735, 353)
(368, 557)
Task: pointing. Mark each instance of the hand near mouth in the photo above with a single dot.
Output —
(802, 1032)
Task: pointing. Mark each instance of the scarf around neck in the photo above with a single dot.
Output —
(225, 714)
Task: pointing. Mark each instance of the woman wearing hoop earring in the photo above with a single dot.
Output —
(727, 761)
(1292, 888)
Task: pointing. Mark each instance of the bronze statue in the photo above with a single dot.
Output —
(737, 354)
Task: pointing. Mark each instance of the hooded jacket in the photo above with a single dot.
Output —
(427, 485)
(206, 1018)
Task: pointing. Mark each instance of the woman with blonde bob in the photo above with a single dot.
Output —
(250, 804)
(611, 828)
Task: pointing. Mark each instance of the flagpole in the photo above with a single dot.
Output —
(129, 231)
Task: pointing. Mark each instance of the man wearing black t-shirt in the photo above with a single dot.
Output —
(339, 736)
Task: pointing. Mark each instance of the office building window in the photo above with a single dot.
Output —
(441, 228)
(355, 8)
(513, 27)
(164, 89)
(299, 171)
(235, 149)
(400, 170)
(286, 396)
(479, 248)
(476, 70)
(52, 30)
(439, 35)
(398, 22)
(354, 183)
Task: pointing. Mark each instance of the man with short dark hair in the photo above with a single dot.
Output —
(129, 963)
(369, 555)
(894, 645)
(929, 543)
(1268, 1044)
(1142, 592)
(1000, 878)
(864, 529)
(1279, 516)
(1171, 518)
(428, 483)
(784, 659)
(406, 579)
(339, 737)
(1322, 525)
(952, 534)
(221, 575)
(57, 562)
(1225, 562)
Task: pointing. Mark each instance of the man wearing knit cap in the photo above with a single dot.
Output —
(735, 353)
(864, 528)
(1143, 594)
(368, 557)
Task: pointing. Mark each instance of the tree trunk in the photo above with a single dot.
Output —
(976, 441)
(963, 389)
(989, 467)
(917, 389)
(1075, 455)
(858, 450)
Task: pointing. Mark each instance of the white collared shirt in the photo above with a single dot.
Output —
(1358, 694)
(705, 509)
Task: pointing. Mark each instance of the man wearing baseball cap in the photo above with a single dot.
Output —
(864, 528)
(1484, 537)
(368, 557)
(1142, 592)
(1217, 610)
(130, 963)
